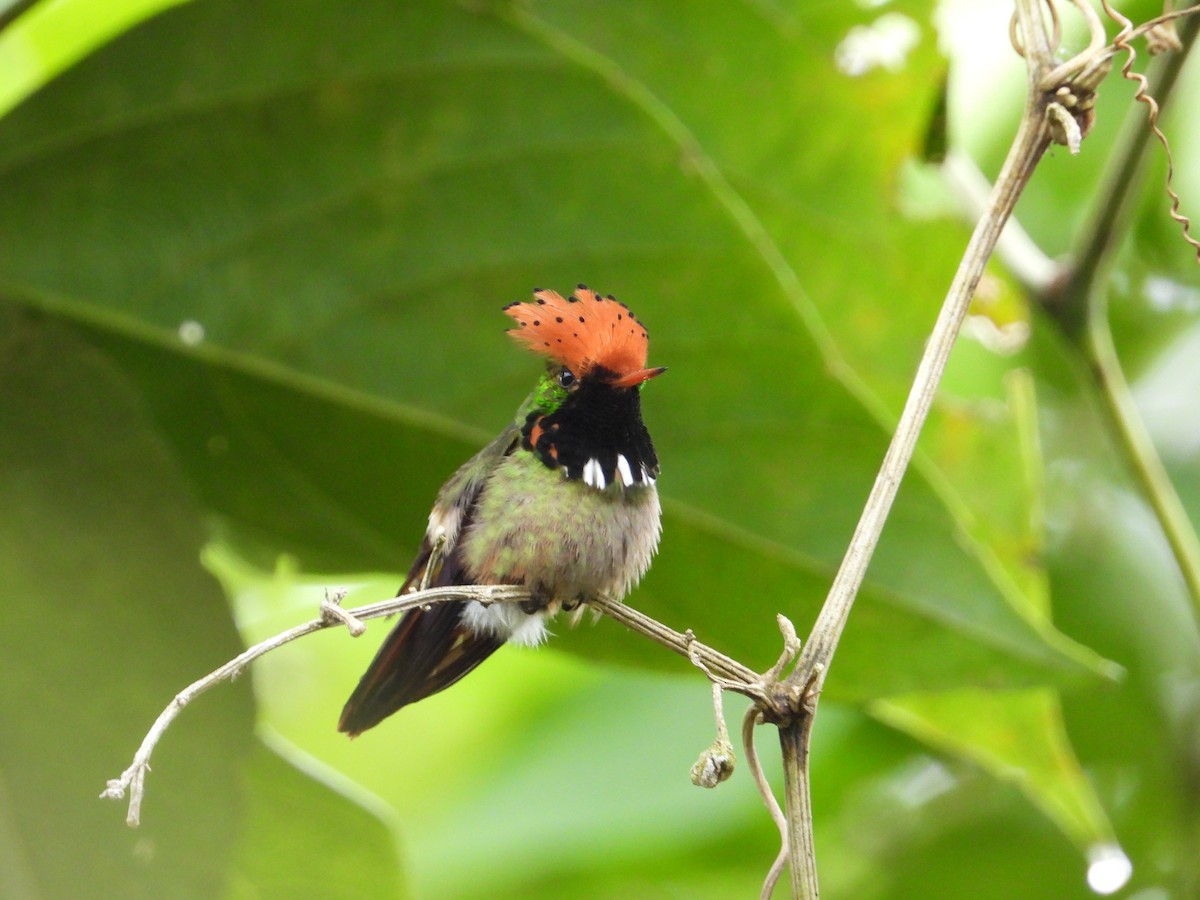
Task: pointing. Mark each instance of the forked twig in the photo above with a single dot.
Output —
(132, 780)
(1032, 139)
(731, 674)
(768, 685)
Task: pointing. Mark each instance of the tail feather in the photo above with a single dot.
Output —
(428, 650)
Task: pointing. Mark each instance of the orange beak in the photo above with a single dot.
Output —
(635, 378)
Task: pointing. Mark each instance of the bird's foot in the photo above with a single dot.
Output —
(539, 599)
(574, 603)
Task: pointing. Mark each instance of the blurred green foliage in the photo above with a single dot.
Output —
(251, 260)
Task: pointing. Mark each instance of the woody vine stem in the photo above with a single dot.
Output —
(1032, 139)
(1057, 109)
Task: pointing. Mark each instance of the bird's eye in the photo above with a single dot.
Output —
(566, 378)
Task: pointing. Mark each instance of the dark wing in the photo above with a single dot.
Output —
(430, 648)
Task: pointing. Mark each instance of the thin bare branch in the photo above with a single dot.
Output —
(1033, 137)
(331, 608)
(728, 673)
(1027, 149)
(794, 739)
(132, 780)
(716, 665)
(1023, 258)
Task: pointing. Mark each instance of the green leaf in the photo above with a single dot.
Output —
(49, 37)
(301, 838)
(291, 226)
(1016, 736)
(335, 220)
(107, 613)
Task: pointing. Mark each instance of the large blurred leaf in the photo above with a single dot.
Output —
(993, 728)
(291, 225)
(292, 826)
(106, 613)
(333, 200)
(1115, 582)
(52, 36)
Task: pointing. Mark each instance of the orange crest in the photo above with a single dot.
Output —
(581, 332)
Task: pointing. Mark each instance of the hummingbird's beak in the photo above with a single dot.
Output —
(635, 378)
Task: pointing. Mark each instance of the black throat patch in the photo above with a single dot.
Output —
(596, 436)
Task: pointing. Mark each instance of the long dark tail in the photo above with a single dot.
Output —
(427, 651)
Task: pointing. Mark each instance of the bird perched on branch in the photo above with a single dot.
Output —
(563, 502)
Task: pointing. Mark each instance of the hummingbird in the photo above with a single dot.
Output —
(563, 501)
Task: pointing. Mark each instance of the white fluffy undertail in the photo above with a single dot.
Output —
(506, 620)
